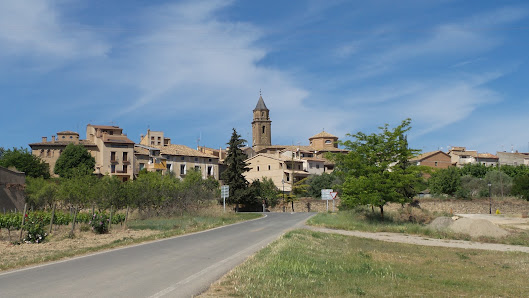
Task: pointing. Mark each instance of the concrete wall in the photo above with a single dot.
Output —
(12, 185)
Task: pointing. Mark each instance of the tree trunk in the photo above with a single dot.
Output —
(381, 210)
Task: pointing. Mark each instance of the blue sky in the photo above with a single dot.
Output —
(194, 69)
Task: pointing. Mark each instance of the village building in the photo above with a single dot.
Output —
(286, 164)
(435, 159)
(460, 156)
(12, 186)
(112, 150)
(175, 159)
(513, 158)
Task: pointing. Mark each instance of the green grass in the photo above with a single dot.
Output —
(310, 264)
(363, 220)
(189, 222)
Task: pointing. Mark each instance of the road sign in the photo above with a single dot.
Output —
(326, 194)
(334, 194)
(225, 191)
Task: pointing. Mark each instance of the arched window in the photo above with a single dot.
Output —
(264, 129)
(328, 141)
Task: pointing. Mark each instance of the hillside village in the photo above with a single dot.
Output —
(117, 155)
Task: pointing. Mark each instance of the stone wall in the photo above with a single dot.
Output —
(12, 185)
(509, 206)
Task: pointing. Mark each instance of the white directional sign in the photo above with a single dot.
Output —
(225, 191)
(326, 194)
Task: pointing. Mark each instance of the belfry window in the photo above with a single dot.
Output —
(264, 129)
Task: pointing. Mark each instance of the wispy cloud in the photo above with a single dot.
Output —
(35, 28)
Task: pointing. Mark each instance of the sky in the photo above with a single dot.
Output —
(195, 69)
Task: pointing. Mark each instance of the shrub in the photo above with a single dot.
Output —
(34, 226)
(99, 223)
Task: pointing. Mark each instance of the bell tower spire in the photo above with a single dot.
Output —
(261, 126)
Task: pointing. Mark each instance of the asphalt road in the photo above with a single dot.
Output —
(176, 267)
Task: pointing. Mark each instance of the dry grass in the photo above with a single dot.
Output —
(312, 264)
(58, 245)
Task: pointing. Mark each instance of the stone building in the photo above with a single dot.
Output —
(12, 186)
(286, 164)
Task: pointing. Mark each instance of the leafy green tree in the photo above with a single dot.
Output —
(376, 169)
(109, 191)
(501, 183)
(41, 192)
(521, 187)
(445, 181)
(74, 160)
(25, 162)
(514, 171)
(236, 167)
(475, 170)
(319, 182)
(78, 190)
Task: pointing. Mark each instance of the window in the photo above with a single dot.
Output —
(210, 171)
(182, 169)
(112, 168)
(113, 156)
(299, 167)
(288, 177)
(209, 160)
(125, 156)
(328, 142)
(111, 132)
(257, 168)
(317, 166)
(182, 158)
(169, 167)
(436, 164)
(71, 137)
(48, 153)
(41, 152)
(281, 165)
(269, 167)
(264, 129)
(159, 138)
(142, 166)
(196, 158)
(197, 168)
(124, 169)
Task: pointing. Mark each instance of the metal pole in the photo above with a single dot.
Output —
(490, 200)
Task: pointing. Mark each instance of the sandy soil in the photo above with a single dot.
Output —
(419, 240)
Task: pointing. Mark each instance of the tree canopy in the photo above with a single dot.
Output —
(376, 169)
(74, 160)
(25, 162)
(236, 167)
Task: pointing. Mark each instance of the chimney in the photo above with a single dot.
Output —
(53, 138)
(44, 139)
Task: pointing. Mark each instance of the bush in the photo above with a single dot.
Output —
(34, 226)
(99, 223)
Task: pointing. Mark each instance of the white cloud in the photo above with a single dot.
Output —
(35, 27)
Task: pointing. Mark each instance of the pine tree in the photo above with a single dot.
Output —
(236, 166)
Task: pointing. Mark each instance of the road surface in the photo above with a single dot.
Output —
(176, 267)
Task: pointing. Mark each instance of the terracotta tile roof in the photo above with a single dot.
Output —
(182, 150)
(67, 132)
(314, 159)
(119, 139)
(426, 155)
(273, 156)
(141, 150)
(63, 143)
(487, 155)
(104, 126)
(472, 153)
(323, 134)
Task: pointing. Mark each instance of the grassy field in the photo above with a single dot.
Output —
(59, 245)
(365, 220)
(311, 264)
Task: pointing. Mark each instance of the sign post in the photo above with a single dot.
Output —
(326, 195)
(224, 193)
(333, 196)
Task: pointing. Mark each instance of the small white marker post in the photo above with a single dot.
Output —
(326, 195)
(224, 193)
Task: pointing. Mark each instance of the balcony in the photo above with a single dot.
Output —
(126, 161)
(114, 159)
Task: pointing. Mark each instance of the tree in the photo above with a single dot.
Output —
(520, 187)
(319, 182)
(25, 162)
(445, 181)
(236, 167)
(376, 169)
(75, 159)
(41, 192)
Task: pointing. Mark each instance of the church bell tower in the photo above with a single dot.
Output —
(261, 126)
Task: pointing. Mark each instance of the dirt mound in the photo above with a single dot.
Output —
(440, 223)
(472, 227)
(477, 227)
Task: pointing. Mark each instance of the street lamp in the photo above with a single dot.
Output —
(490, 200)
(283, 182)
